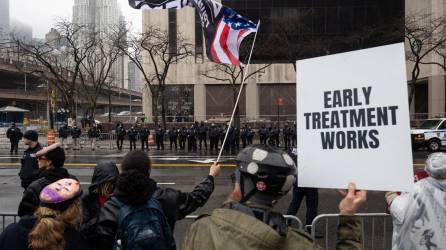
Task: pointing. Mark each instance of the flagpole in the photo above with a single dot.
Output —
(239, 93)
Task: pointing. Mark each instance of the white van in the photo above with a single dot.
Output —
(431, 134)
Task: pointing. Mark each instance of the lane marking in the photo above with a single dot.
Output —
(16, 164)
(159, 183)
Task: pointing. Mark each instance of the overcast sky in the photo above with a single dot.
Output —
(41, 14)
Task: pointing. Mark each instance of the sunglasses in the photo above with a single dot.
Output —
(41, 158)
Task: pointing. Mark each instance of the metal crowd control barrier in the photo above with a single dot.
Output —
(376, 230)
(8, 218)
(293, 220)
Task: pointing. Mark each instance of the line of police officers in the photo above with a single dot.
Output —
(196, 137)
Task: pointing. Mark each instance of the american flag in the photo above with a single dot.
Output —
(224, 29)
(232, 28)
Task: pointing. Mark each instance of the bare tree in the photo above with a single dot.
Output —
(440, 53)
(233, 75)
(62, 60)
(154, 45)
(96, 68)
(424, 35)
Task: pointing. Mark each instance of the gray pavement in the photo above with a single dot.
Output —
(180, 170)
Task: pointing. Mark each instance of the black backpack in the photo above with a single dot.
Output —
(143, 227)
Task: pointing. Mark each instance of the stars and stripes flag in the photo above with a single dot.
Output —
(224, 29)
(227, 33)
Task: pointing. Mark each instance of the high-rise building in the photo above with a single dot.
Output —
(135, 82)
(4, 19)
(20, 30)
(102, 16)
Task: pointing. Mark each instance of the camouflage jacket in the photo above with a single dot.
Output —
(231, 229)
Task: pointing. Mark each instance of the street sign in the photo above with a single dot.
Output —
(353, 120)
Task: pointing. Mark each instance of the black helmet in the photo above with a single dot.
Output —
(265, 173)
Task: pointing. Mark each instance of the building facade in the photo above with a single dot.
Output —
(430, 93)
(290, 30)
(102, 16)
(4, 19)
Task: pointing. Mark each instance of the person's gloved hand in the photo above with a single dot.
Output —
(352, 200)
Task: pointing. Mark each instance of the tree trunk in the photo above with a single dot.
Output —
(237, 109)
(109, 104)
(163, 106)
(155, 107)
(415, 74)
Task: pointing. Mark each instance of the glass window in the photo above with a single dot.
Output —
(173, 31)
(179, 102)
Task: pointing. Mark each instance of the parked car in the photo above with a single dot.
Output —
(106, 114)
(124, 113)
(431, 134)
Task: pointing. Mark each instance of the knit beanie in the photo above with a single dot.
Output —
(31, 135)
(436, 165)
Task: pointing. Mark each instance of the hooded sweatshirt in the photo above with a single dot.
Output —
(104, 172)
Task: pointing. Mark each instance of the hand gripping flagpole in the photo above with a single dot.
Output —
(239, 94)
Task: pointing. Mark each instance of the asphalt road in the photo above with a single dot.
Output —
(182, 171)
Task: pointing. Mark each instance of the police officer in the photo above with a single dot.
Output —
(29, 170)
(120, 134)
(286, 136)
(182, 138)
(14, 135)
(263, 134)
(202, 134)
(93, 135)
(75, 135)
(192, 139)
(173, 135)
(213, 137)
(247, 220)
(144, 137)
(159, 138)
(251, 134)
(311, 196)
(64, 131)
(244, 135)
(222, 135)
(271, 136)
(236, 139)
(132, 133)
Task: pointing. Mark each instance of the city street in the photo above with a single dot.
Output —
(179, 170)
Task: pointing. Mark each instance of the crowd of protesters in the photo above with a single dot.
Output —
(126, 209)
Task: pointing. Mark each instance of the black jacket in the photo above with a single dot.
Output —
(14, 134)
(176, 205)
(15, 236)
(63, 132)
(132, 133)
(94, 133)
(29, 171)
(75, 132)
(104, 172)
(120, 132)
(30, 200)
(144, 134)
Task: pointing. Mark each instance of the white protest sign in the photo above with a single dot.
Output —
(353, 120)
